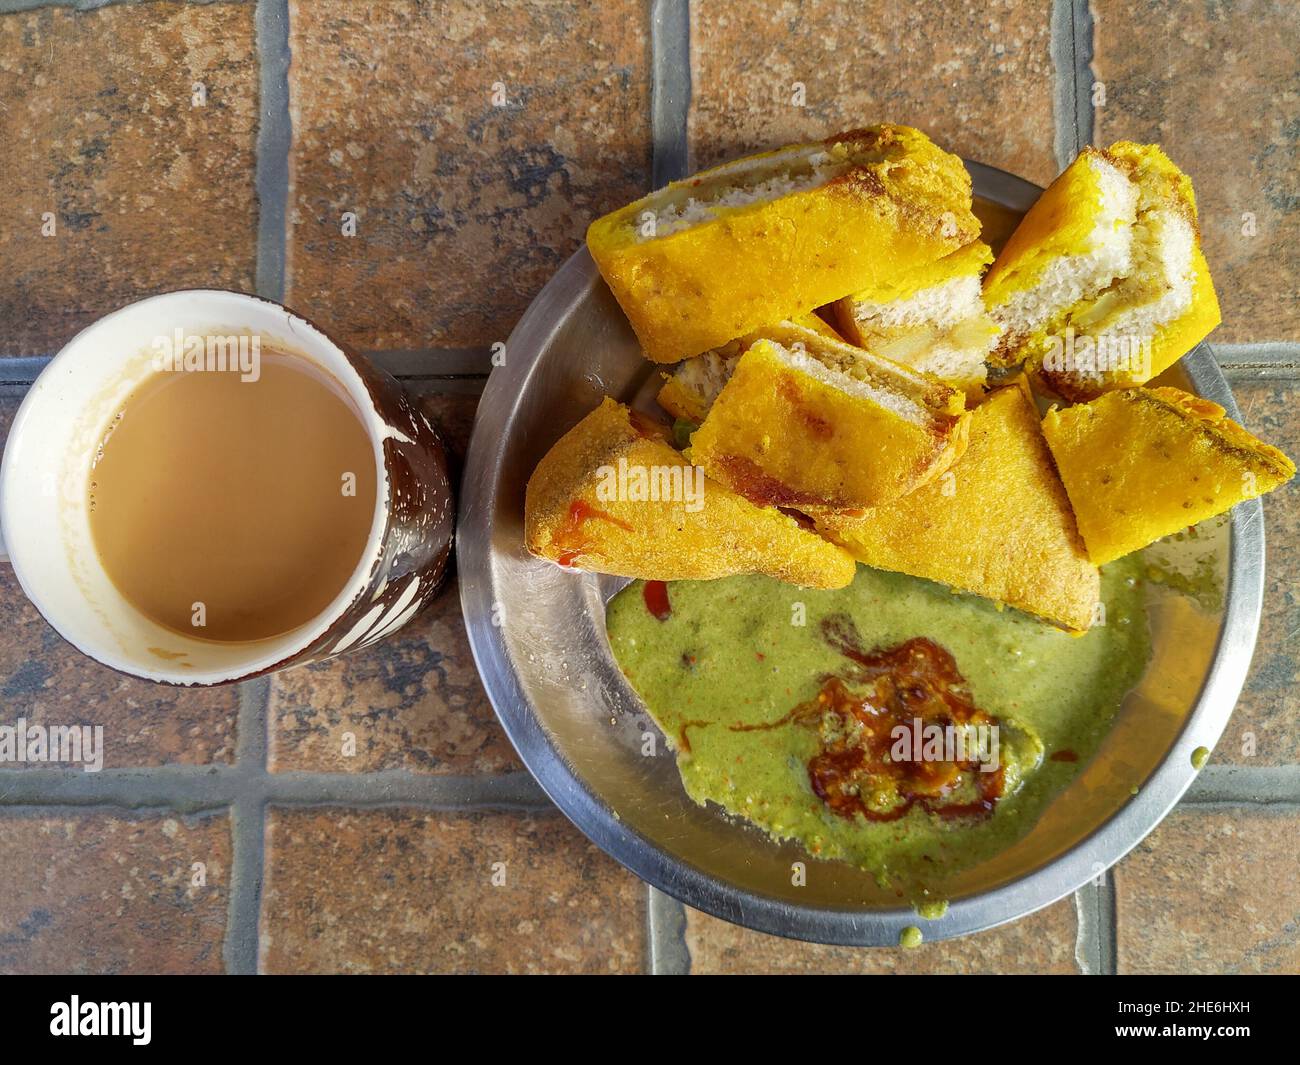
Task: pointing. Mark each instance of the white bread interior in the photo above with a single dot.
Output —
(1136, 276)
(1107, 255)
(706, 374)
(1158, 287)
(942, 330)
(860, 384)
(755, 180)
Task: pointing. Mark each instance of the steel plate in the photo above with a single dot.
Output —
(538, 636)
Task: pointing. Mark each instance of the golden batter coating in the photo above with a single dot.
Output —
(1146, 462)
(763, 239)
(997, 523)
(808, 422)
(612, 496)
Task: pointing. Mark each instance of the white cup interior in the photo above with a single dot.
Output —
(46, 469)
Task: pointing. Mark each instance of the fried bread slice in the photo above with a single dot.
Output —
(689, 391)
(1143, 463)
(772, 236)
(998, 523)
(807, 422)
(931, 318)
(1103, 284)
(612, 496)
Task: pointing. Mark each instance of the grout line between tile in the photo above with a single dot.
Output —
(186, 789)
(670, 96)
(1234, 785)
(1094, 945)
(649, 929)
(189, 789)
(1262, 353)
(1061, 48)
(1084, 75)
(273, 138)
(1070, 22)
(434, 362)
(248, 828)
(1263, 361)
(12, 7)
(22, 370)
(1269, 372)
(444, 386)
(666, 934)
(38, 808)
(1108, 932)
(1087, 944)
(251, 726)
(509, 791)
(247, 873)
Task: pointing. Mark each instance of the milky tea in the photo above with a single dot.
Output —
(229, 508)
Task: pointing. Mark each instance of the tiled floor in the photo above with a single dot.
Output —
(368, 814)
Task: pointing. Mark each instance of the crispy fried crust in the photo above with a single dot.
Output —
(901, 202)
(780, 435)
(567, 518)
(1144, 463)
(682, 401)
(1148, 163)
(998, 523)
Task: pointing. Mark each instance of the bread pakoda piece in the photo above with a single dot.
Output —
(1146, 462)
(763, 239)
(998, 523)
(931, 318)
(1103, 285)
(809, 422)
(612, 496)
(689, 391)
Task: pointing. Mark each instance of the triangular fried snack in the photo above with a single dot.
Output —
(997, 523)
(612, 496)
(1145, 462)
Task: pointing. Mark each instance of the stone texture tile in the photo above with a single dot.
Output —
(410, 891)
(1043, 943)
(148, 191)
(453, 416)
(103, 893)
(48, 682)
(412, 701)
(975, 75)
(45, 681)
(1265, 728)
(1212, 891)
(464, 206)
(1217, 85)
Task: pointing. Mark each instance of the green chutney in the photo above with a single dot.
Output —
(746, 651)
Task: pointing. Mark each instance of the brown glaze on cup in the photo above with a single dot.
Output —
(415, 548)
